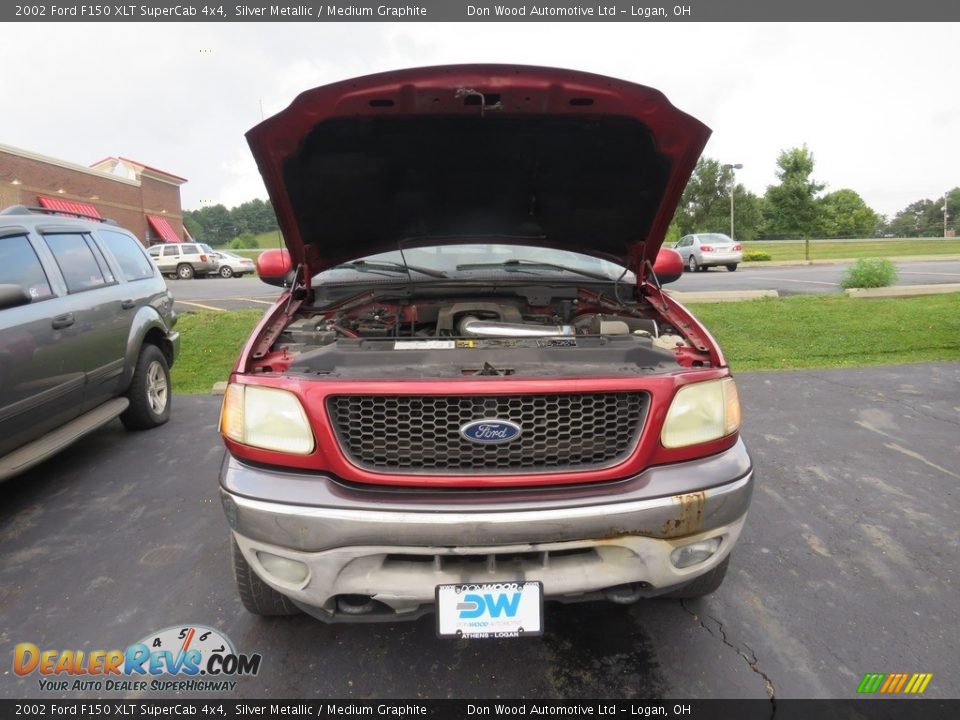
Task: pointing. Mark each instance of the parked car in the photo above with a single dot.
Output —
(705, 250)
(86, 334)
(232, 265)
(184, 260)
(473, 395)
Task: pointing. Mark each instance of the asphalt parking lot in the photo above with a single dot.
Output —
(250, 293)
(811, 279)
(847, 565)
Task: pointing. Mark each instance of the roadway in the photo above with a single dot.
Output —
(250, 293)
(847, 565)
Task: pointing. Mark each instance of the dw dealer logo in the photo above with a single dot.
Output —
(175, 659)
(474, 606)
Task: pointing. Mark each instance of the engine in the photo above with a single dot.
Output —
(476, 336)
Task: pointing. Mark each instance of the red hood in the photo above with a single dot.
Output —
(508, 153)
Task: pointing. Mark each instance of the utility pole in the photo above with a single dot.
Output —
(733, 181)
(946, 196)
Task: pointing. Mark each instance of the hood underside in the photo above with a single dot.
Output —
(477, 153)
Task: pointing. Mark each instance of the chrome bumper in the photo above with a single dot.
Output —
(396, 546)
(311, 513)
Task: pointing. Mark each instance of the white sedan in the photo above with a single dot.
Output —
(232, 265)
(705, 250)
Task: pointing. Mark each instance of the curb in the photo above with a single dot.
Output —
(837, 261)
(219, 388)
(721, 295)
(903, 291)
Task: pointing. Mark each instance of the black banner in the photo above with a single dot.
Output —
(604, 11)
(874, 709)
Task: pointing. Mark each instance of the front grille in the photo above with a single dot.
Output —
(420, 434)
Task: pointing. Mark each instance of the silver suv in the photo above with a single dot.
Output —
(86, 334)
(185, 260)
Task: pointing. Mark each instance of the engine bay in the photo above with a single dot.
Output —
(534, 333)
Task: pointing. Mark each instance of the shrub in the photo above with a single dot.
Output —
(244, 241)
(869, 273)
(755, 255)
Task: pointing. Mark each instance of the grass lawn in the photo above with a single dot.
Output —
(771, 334)
(831, 249)
(827, 331)
(209, 345)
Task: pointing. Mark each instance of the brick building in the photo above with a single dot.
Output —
(140, 198)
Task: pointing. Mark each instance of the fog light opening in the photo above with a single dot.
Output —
(697, 552)
(285, 569)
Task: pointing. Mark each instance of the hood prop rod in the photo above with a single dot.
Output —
(657, 285)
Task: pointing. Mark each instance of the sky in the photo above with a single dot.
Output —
(877, 104)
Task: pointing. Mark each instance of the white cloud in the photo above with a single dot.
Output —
(870, 100)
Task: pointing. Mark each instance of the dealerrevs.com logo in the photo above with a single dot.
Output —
(179, 658)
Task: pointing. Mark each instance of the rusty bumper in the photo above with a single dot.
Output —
(311, 513)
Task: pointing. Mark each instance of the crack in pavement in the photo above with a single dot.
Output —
(872, 395)
(753, 662)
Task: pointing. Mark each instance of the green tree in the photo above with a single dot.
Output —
(923, 218)
(844, 214)
(791, 206)
(218, 223)
(193, 223)
(953, 210)
(705, 204)
(748, 214)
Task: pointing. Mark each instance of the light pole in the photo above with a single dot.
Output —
(732, 168)
(946, 197)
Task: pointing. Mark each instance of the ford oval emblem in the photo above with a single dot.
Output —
(490, 431)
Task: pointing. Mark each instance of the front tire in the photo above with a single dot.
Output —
(149, 391)
(185, 271)
(226, 272)
(732, 267)
(258, 597)
(703, 585)
(692, 265)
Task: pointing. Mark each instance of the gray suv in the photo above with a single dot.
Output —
(86, 334)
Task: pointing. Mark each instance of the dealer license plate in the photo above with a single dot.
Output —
(488, 610)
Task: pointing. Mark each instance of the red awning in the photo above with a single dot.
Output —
(163, 228)
(69, 206)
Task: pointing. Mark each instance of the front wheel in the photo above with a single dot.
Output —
(149, 392)
(226, 271)
(257, 597)
(692, 265)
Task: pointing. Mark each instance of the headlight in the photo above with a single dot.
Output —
(702, 412)
(267, 418)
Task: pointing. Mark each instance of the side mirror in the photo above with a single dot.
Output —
(668, 265)
(275, 268)
(12, 296)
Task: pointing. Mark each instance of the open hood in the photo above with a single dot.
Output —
(485, 153)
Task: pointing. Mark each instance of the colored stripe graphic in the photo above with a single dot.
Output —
(871, 682)
(895, 683)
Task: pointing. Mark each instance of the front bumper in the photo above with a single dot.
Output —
(395, 546)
